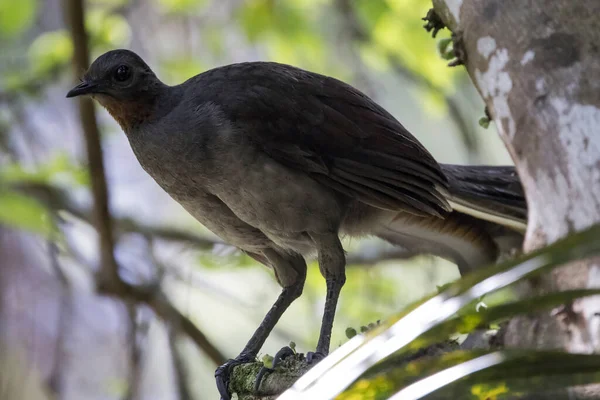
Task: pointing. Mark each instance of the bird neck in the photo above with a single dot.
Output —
(132, 112)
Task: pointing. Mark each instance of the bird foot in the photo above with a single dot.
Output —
(224, 371)
(282, 354)
(313, 357)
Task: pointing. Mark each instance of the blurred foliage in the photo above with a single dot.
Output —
(16, 16)
(387, 36)
(107, 30)
(289, 33)
(59, 170)
(50, 51)
(181, 6)
(484, 376)
(22, 212)
(396, 29)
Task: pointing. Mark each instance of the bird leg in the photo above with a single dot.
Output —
(334, 287)
(291, 273)
(332, 263)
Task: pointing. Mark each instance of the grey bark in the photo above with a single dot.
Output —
(537, 66)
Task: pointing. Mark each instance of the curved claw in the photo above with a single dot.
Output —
(314, 357)
(222, 374)
(282, 354)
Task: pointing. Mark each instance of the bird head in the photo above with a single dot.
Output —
(121, 74)
(123, 83)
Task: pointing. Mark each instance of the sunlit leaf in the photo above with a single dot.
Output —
(347, 363)
(181, 6)
(50, 51)
(396, 30)
(110, 3)
(16, 16)
(280, 18)
(60, 168)
(22, 212)
(370, 11)
(180, 69)
(107, 30)
(477, 375)
(213, 38)
(255, 18)
(468, 322)
(235, 260)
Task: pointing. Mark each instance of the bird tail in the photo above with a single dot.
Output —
(489, 218)
(490, 193)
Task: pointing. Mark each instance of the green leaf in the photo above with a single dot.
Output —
(60, 168)
(16, 16)
(484, 122)
(445, 48)
(180, 69)
(342, 367)
(478, 375)
(110, 3)
(50, 51)
(398, 33)
(351, 332)
(106, 30)
(181, 6)
(236, 260)
(471, 321)
(22, 212)
(370, 11)
(267, 360)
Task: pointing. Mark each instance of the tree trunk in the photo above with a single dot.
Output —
(536, 64)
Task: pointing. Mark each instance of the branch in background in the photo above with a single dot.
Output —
(193, 279)
(348, 28)
(358, 33)
(57, 199)
(135, 358)
(108, 275)
(181, 373)
(108, 279)
(161, 305)
(55, 381)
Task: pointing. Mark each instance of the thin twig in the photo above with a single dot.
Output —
(57, 199)
(161, 305)
(181, 373)
(135, 355)
(55, 381)
(108, 273)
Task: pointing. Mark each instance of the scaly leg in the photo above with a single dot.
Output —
(291, 273)
(332, 263)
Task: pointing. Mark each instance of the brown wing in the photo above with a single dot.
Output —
(332, 131)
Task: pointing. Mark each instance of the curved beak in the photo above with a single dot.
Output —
(82, 88)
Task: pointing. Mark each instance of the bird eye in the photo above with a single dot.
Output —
(122, 73)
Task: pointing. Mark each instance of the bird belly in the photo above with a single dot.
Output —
(285, 204)
(214, 215)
